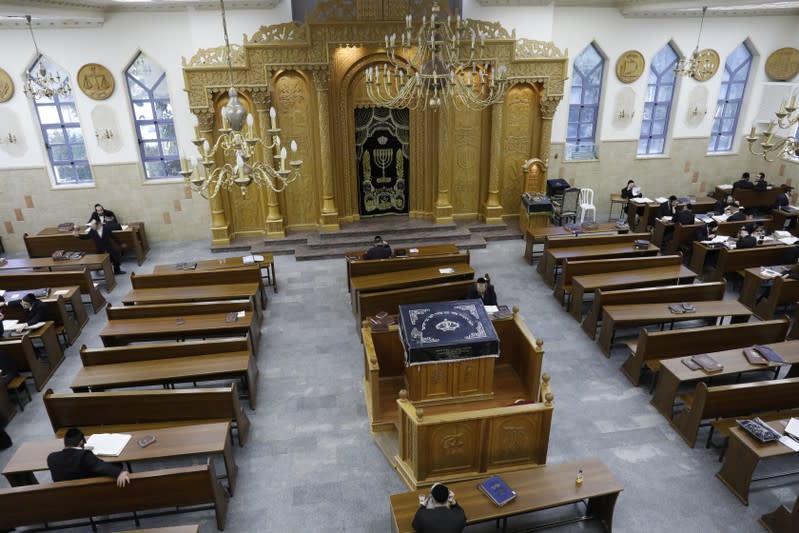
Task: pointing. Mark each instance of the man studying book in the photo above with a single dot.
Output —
(439, 512)
(75, 462)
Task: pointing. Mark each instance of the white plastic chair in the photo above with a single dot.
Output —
(587, 204)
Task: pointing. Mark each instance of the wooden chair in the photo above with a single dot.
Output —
(17, 386)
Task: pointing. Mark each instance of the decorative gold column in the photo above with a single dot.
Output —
(548, 107)
(328, 217)
(442, 212)
(275, 228)
(493, 210)
(220, 226)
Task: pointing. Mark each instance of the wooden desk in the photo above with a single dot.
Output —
(535, 236)
(421, 251)
(780, 218)
(673, 373)
(179, 441)
(424, 256)
(89, 261)
(544, 487)
(615, 316)
(406, 278)
(753, 280)
(225, 263)
(744, 453)
(753, 198)
(44, 243)
(231, 366)
(44, 339)
(76, 317)
(195, 293)
(627, 279)
(554, 258)
(702, 253)
(118, 332)
(647, 218)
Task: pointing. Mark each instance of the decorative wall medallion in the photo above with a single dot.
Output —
(630, 66)
(6, 86)
(95, 81)
(783, 64)
(711, 57)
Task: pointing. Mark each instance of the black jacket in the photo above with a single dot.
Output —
(378, 252)
(628, 193)
(101, 243)
(746, 242)
(743, 184)
(761, 185)
(74, 463)
(107, 214)
(489, 297)
(736, 217)
(684, 217)
(37, 313)
(439, 520)
(781, 200)
(665, 210)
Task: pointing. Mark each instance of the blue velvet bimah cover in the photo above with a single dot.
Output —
(441, 331)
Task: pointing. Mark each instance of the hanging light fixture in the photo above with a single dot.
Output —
(435, 74)
(43, 84)
(770, 148)
(240, 145)
(700, 65)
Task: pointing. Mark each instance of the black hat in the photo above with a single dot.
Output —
(440, 493)
(481, 280)
(29, 298)
(378, 238)
(750, 228)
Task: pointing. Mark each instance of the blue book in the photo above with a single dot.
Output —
(769, 354)
(497, 490)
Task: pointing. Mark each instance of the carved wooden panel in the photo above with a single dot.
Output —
(469, 377)
(520, 107)
(452, 448)
(437, 381)
(295, 107)
(515, 440)
(467, 151)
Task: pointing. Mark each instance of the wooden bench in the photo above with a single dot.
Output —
(781, 520)
(66, 325)
(731, 261)
(604, 266)
(543, 487)
(81, 279)
(49, 240)
(388, 301)
(696, 292)
(726, 401)
(754, 198)
(168, 364)
(85, 498)
(427, 256)
(536, 236)
(557, 249)
(242, 274)
(121, 411)
(23, 351)
(783, 292)
(101, 262)
(653, 346)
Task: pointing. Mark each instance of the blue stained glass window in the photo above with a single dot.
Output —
(152, 114)
(61, 132)
(657, 106)
(728, 107)
(584, 104)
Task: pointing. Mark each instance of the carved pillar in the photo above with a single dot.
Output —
(548, 106)
(275, 227)
(220, 226)
(328, 217)
(442, 211)
(493, 210)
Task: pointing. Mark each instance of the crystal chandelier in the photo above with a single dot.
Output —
(782, 147)
(233, 143)
(43, 84)
(435, 74)
(700, 65)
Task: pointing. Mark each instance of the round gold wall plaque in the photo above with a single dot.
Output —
(783, 64)
(630, 66)
(95, 81)
(6, 86)
(708, 57)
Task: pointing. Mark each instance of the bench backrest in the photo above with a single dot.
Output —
(243, 274)
(745, 398)
(567, 241)
(194, 308)
(600, 266)
(739, 259)
(388, 301)
(155, 351)
(753, 198)
(84, 498)
(690, 341)
(63, 278)
(731, 229)
(45, 245)
(682, 234)
(79, 409)
(365, 267)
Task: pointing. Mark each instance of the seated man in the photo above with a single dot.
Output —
(630, 191)
(74, 462)
(685, 216)
(439, 512)
(722, 204)
(483, 289)
(102, 237)
(106, 216)
(667, 209)
(736, 215)
(379, 250)
(743, 183)
(783, 199)
(745, 239)
(761, 184)
(35, 310)
(706, 232)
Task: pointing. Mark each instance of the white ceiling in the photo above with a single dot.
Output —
(93, 12)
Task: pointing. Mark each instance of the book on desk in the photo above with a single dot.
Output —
(497, 490)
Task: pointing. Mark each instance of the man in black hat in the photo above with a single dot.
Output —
(35, 310)
(667, 209)
(745, 238)
(483, 289)
(439, 512)
(783, 199)
(102, 237)
(685, 216)
(743, 183)
(761, 184)
(736, 215)
(379, 250)
(74, 462)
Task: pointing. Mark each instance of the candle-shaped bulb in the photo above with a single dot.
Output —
(206, 146)
(753, 132)
(293, 145)
(283, 158)
(250, 120)
(273, 117)
(277, 141)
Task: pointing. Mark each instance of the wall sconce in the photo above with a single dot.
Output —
(9, 139)
(625, 114)
(104, 135)
(696, 112)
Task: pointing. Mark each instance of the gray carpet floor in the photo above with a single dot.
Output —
(311, 464)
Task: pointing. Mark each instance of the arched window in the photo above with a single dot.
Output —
(728, 107)
(61, 131)
(584, 104)
(152, 114)
(657, 105)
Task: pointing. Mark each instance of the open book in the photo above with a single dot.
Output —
(110, 444)
(250, 259)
